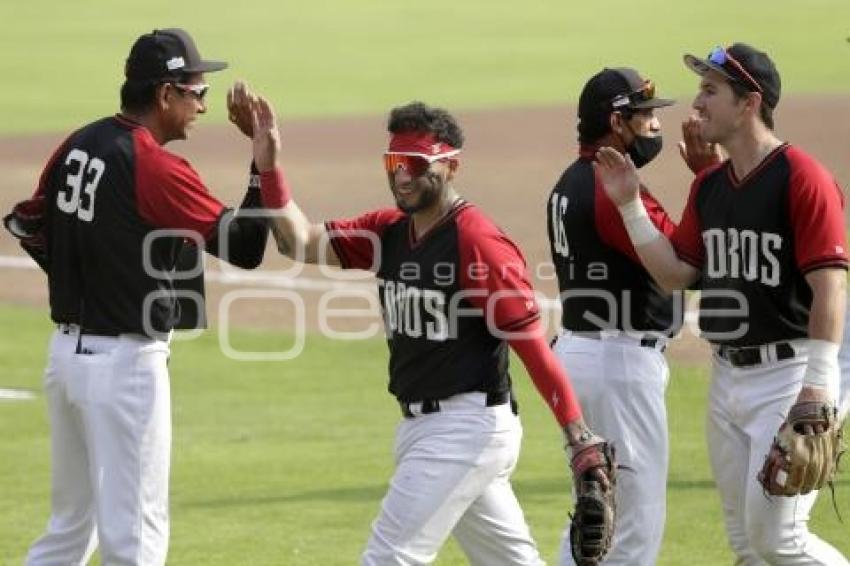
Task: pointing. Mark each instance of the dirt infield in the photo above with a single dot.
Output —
(511, 160)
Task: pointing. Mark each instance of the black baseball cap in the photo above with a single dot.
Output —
(744, 65)
(164, 54)
(617, 89)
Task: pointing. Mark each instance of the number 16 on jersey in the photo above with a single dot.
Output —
(559, 231)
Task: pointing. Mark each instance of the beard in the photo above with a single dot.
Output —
(429, 189)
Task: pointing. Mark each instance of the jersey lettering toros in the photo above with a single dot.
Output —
(755, 239)
(602, 282)
(109, 186)
(444, 296)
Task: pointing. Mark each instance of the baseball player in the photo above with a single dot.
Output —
(455, 294)
(764, 234)
(112, 212)
(615, 320)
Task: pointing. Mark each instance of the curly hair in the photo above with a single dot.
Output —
(419, 117)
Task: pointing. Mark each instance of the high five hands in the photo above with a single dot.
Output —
(255, 117)
(239, 103)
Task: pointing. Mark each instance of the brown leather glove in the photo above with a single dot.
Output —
(797, 462)
(592, 527)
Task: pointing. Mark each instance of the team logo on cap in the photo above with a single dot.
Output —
(175, 63)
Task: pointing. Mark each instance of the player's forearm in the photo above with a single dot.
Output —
(291, 230)
(826, 324)
(663, 264)
(548, 376)
(289, 225)
(655, 250)
(829, 298)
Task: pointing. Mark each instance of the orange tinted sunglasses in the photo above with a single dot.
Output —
(414, 165)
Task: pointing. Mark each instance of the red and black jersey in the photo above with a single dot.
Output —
(754, 239)
(603, 285)
(445, 296)
(108, 187)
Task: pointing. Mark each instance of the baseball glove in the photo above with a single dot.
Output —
(27, 223)
(798, 463)
(592, 526)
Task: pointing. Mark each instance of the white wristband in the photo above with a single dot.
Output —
(640, 228)
(822, 369)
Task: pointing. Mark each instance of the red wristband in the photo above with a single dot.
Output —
(273, 189)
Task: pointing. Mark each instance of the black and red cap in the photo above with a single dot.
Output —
(620, 88)
(165, 54)
(744, 65)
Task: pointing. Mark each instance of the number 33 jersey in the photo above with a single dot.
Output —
(119, 209)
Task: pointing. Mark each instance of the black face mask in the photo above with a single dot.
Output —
(644, 148)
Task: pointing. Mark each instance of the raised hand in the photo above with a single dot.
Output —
(239, 102)
(695, 151)
(266, 136)
(618, 174)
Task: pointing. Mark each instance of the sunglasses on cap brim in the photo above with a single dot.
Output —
(414, 164)
(644, 94)
(720, 57)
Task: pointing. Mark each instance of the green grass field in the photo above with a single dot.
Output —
(63, 61)
(286, 463)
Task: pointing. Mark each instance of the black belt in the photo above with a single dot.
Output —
(74, 328)
(429, 406)
(653, 342)
(746, 356)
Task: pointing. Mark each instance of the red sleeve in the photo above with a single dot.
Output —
(169, 193)
(687, 238)
(356, 240)
(493, 271)
(609, 222)
(816, 210)
(547, 373)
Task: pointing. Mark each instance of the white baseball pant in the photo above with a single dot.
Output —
(746, 408)
(452, 476)
(621, 386)
(110, 422)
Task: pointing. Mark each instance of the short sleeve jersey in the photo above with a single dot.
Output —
(603, 285)
(754, 240)
(109, 187)
(446, 297)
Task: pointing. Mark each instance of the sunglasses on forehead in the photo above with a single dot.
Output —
(644, 93)
(199, 91)
(722, 58)
(414, 164)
